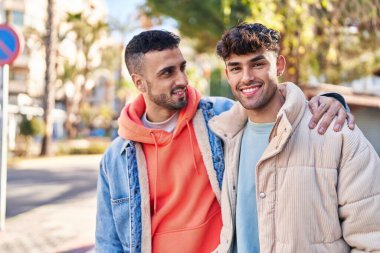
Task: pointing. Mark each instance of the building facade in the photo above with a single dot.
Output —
(27, 72)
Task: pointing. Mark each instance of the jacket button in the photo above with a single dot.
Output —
(262, 195)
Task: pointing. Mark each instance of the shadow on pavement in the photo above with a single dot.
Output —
(28, 189)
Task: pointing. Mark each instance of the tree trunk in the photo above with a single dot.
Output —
(49, 95)
(69, 124)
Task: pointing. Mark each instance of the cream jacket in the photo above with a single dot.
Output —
(315, 193)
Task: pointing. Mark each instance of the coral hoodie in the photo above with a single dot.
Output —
(185, 213)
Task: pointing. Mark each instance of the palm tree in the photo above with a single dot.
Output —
(87, 38)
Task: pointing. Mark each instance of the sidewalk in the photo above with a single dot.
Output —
(64, 226)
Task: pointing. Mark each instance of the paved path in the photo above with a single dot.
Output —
(51, 205)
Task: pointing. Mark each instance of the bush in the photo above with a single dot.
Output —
(31, 127)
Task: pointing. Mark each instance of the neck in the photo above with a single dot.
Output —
(154, 114)
(268, 112)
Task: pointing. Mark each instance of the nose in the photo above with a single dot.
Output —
(181, 79)
(247, 76)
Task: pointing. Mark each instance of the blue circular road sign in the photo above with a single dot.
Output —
(9, 45)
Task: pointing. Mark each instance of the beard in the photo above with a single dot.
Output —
(167, 100)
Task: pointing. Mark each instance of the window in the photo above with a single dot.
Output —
(18, 75)
(18, 18)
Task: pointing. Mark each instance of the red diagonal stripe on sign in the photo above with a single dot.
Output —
(6, 50)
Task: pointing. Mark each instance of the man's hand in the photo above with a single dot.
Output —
(328, 108)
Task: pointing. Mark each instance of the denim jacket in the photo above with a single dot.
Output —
(123, 209)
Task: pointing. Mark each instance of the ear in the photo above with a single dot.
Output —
(280, 65)
(139, 82)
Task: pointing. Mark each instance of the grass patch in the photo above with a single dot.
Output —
(83, 148)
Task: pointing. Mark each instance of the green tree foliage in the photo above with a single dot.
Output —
(201, 20)
(331, 40)
(324, 38)
(30, 128)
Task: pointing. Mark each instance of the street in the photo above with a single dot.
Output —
(51, 205)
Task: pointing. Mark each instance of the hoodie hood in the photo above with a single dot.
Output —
(132, 128)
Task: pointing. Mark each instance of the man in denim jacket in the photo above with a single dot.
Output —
(160, 182)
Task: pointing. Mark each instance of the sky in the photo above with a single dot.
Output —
(125, 12)
(123, 9)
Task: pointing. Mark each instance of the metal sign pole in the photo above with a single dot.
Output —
(4, 143)
(10, 49)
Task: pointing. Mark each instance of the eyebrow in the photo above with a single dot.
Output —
(255, 59)
(165, 69)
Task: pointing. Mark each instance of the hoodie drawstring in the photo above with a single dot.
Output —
(192, 146)
(156, 173)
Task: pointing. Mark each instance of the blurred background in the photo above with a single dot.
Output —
(69, 84)
(325, 42)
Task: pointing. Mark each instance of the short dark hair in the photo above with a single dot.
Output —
(144, 42)
(247, 38)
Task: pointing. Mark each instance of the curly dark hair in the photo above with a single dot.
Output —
(144, 42)
(247, 38)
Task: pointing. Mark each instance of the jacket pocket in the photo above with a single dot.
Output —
(122, 219)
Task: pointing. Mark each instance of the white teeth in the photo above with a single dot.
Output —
(179, 92)
(249, 90)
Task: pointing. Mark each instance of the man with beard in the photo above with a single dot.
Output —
(286, 187)
(160, 181)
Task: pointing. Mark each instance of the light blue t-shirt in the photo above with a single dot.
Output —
(254, 142)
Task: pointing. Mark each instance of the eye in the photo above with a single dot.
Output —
(258, 64)
(167, 72)
(234, 69)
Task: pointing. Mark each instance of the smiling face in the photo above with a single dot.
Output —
(253, 77)
(163, 82)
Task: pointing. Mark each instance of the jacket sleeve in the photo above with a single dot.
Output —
(106, 237)
(338, 97)
(359, 193)
(221, 104)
